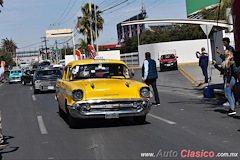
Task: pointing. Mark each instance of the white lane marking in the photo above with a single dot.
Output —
(31, 88)
(41, 124)
(34, 97)
(162, 119)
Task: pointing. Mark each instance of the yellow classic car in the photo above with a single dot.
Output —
(101, 89)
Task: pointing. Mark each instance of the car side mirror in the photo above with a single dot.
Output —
(176, 56)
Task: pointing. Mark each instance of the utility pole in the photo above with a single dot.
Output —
(90, 13)
(41, 53)
(56, 54)
(45, 40)
(96, 30)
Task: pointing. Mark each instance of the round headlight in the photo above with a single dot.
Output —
(145, 92)
(38, 81)
(77, 94)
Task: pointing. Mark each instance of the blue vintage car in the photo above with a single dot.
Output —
(15, 75)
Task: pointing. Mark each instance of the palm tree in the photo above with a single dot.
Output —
(82, 46)
(9, 46)
(83, 24)
(1, 3)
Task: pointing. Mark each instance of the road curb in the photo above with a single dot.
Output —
(192, 79)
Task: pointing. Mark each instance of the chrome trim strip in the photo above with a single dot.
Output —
(69, 93)
(112, 100)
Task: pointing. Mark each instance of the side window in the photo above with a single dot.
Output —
(71, 73)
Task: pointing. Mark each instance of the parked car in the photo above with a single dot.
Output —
(15, 75)
(101, 89)
(44, 79)
(27, 77)
(168, 61)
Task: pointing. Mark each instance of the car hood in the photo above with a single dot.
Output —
(47, 78)
(109, 88)
(15, 75)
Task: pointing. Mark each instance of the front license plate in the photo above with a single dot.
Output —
(168, 65)
(111, 115)
(50, 87)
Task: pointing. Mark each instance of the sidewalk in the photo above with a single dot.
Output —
(195, 75)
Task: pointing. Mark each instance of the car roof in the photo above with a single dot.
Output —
(94, 61)
(168, 54)
(46, 68)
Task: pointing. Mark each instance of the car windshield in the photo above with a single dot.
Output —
(99, 71)
(169, 56)
(46, 73)
(16, 72)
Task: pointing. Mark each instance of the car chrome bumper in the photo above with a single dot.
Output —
(44, 87)
(15, 80)
(101, 108)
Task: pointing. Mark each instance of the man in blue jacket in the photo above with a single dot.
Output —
(150, 75)
(203, 63)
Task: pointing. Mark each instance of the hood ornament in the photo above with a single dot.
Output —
(92, 85)
(127, 84)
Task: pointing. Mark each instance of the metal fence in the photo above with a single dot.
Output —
(131, 59)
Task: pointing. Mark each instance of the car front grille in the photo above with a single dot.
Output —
(15, 78)
(48, 82)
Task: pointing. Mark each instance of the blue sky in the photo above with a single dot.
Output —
(26, 21)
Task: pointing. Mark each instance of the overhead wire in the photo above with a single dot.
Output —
(68, 12)
(121, 7)
(30, 45)
(63, 12)
(109, 3)
(156, 4)
(114, 6)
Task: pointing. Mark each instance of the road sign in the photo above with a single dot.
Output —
(78, 53)
(54, 33)
(206, 28)
(92, 51)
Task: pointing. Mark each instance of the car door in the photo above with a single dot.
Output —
(60, 88)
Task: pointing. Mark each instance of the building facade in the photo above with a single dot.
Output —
(131, 30)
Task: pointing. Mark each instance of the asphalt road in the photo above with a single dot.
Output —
(184, 121)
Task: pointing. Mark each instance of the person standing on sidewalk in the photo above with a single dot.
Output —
(226, 43)
(236, 57)
(1, 78)
(2, 70)
(203, 63)
(150, 75)
(229, 81)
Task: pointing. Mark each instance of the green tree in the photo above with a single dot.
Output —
(83, 24)
(1, 3)
(175, 33)
(9, 46)
(82, 46)
(218, 12)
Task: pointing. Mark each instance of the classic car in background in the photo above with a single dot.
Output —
(101, 89)
(15, 75)
(44, 79)
(27, 77)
